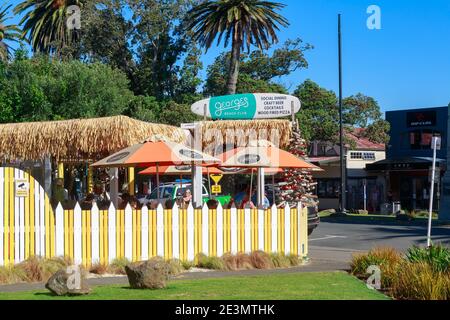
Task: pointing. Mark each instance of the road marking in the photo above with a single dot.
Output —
(327, 237)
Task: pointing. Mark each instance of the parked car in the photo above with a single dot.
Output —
(174, 190)
(313, 219)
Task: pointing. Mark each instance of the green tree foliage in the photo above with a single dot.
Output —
(44, 24)
(258, 70)
(40, 89)
(319, 116)
(8, 33)
(167, 58)
(242, 22)
(319, 112)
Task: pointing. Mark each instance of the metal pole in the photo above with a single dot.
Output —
(430, 213)
(157, 181)
(341, 127)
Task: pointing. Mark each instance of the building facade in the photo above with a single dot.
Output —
(407, 167)
(365, 190)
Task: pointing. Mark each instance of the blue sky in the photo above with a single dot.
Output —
(404, 65)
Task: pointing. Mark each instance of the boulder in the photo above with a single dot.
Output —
(68, 282)
(151, 274)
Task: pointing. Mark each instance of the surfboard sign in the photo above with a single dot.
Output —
(247, 106)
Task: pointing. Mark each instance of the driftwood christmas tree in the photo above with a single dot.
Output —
(296, 184)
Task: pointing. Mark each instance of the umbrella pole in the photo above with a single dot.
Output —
(251, 187)
(273, 188)
(209, 182)
(157, 181)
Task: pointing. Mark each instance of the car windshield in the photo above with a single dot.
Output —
(154, 194)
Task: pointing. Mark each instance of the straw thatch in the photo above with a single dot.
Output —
(240, 132)
(78, 139)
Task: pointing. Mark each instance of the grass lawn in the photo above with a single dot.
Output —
(300, 286)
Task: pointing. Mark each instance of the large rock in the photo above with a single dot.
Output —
(68, 282)
(151, 274)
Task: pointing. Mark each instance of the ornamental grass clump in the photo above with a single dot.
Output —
(419, 281)
(280, 260)
(387, 259)
(117, 266)
(437, 256)
(213, 263)
(98, 268)
(261, 260)
(175, 267)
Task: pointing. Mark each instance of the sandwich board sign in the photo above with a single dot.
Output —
(247, 106)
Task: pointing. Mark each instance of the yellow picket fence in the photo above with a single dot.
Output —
(29, 227)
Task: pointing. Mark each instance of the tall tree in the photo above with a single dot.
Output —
(259, 71)
(8, 33)
(44, 24)
(319, 118)
(244, 22)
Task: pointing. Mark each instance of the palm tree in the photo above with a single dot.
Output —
(7, 33)
(245, 22)
(44, 24)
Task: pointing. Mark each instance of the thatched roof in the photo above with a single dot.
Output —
(78, 139)
(245, 130)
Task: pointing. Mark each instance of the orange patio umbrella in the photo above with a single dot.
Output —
(262, 154)
(179, 170)
(158, 151)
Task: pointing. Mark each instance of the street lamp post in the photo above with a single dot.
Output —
(343, 188)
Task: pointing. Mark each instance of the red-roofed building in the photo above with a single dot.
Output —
(365, 190)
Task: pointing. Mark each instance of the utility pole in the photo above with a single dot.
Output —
(343, 188)
(435, 145)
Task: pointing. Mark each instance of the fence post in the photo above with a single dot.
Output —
(274, 228)
(234, 230)
(261, 229)
(95, 232)
(219, 224)
(287, 229)
(190, 233)
(160, 231)
(128, 233)
(2, 212)
(247, 231)
(175, 232)
(16, 200)
(112, 233)
(144, 233)
(299, 229)
(205, 230)
(77, 235)
(59, 230)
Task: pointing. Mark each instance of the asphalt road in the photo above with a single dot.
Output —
(337, 241)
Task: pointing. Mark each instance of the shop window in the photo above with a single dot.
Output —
(421, 139)
(368, 156)
(328, 188)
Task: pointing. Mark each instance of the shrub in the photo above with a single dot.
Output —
(418, 280)
(117, 266)
(187, 264)
(438, 257)
(280, 260)
(261, 260)
(387, 259)
(98, 268)
(11, 275)
(213, 263)
(294, 260)
(230, 262)
(175, 267)
(243, 261)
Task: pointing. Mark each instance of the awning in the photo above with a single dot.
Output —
(404, 164)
